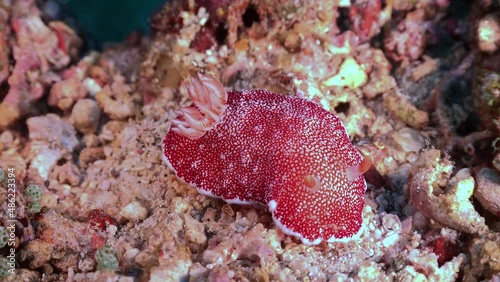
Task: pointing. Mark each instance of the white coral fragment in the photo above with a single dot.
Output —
(442, 199)
(51, 138)
(351, 74)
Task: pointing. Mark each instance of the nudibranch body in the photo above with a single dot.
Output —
(260, 147)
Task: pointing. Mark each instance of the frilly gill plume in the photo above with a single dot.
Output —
(209, 100)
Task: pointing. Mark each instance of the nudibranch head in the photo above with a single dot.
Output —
(286, 152)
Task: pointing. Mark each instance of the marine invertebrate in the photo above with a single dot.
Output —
(106, 258)
(34, 193)
(255, 146)
(4, 267)
(4, 237)
(2, 175)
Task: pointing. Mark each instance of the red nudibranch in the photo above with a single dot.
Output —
(256, 146)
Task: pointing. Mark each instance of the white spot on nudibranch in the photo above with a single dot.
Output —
(272, 205)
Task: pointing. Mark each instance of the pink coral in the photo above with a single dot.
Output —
(406, 43)
(367, 17)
